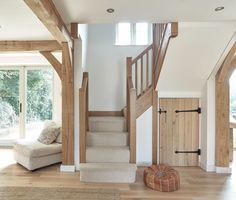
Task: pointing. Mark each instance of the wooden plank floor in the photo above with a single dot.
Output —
(195, 183)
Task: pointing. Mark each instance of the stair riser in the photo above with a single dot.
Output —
(107, 156)
(110, 176)
(109, 139)
(107, 126)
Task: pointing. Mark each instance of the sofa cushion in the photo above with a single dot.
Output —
(36, 148)
(49, 134)
(59, 137)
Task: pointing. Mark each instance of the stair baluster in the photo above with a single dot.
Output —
(83, 116)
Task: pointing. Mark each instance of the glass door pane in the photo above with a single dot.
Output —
(39, 90)
(9, 105)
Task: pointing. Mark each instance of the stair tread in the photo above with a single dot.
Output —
(106, 166)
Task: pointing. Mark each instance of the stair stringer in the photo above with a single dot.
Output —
(144, 102)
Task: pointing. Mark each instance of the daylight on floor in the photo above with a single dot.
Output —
(117, 100)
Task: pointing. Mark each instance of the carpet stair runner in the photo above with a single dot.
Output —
(107, 152)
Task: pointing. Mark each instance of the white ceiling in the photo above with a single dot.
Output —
(192, 56)
(94, 11)
(18, 22)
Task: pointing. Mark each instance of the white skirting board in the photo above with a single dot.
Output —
(67, 168)
(208, 168)
(144, 164)
(223, 170)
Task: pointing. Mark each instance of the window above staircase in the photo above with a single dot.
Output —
(133, 33)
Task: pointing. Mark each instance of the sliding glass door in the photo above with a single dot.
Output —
(39, 92)
(26, 101)
(9, 104)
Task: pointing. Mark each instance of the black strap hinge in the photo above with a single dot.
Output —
(198, 110)
(197, 152)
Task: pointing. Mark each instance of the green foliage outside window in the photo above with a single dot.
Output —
(39, 96)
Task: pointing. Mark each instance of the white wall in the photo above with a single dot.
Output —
(208, 126)
(80, 65)
(83, 34)
(144, 138)
(107, 68)
(192, 56)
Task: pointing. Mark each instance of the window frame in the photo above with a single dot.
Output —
(133, 35)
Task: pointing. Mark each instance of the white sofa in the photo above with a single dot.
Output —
(33, 154)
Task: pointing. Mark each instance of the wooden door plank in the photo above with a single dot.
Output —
(162, 129)
(169, 138)
(175, 122)
(181, 133)
(187, 131)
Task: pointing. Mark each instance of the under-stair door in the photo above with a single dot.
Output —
(179, 131)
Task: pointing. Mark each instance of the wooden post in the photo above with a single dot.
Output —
(132, 127)
(154, 126)
(222, 123)
(82, 127)
(83, 116)
(67, 107)
(231, 145)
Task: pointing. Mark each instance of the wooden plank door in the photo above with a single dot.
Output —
(179, 131)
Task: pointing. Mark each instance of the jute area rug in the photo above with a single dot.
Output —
(35, 193)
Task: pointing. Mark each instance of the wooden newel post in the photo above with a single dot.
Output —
(131, 110)
(132, 125)
(82, 117)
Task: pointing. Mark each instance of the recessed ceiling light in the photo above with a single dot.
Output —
(219, 8)
(110, 10)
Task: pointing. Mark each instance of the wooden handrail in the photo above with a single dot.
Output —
(142, 54)
(170, 30)
(83, 116)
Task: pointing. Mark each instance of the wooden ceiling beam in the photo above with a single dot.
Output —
(53, 61)
(47, 13)
(34, 45)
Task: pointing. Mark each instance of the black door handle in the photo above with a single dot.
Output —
(162, 111)
(20, 107)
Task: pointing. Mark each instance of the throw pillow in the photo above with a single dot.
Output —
(49, 134)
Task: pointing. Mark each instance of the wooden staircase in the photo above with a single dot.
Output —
(144, 71)
(108, 144)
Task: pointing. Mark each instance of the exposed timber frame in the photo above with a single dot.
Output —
(34, 45)
(46, 11)
(222, 139)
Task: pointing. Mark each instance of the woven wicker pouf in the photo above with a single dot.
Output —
(162, 178)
